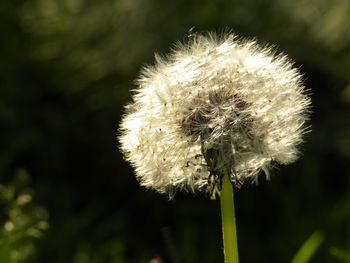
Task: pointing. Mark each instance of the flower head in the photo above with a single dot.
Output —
(214, 106)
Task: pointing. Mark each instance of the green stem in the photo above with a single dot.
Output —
(228, 221)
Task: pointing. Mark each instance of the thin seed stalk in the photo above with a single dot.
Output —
(228, 221)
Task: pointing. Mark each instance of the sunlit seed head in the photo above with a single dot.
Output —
(214, 105)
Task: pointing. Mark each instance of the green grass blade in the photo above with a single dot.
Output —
(309, 248)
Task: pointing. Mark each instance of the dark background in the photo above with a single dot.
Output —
(66, 69)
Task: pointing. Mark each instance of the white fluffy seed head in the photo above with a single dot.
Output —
(214, 105)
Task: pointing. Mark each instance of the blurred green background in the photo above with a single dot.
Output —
(66, 195)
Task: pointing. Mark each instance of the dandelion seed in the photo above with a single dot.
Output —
(214, 106)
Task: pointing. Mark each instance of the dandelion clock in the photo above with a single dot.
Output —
(211, 116)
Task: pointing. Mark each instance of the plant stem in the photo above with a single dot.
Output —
(228, 221)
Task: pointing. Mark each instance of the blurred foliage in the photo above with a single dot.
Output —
(22, 221)
(341, 255)
(67, 68)
(309, 248)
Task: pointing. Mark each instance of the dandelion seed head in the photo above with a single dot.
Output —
(213, 105)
